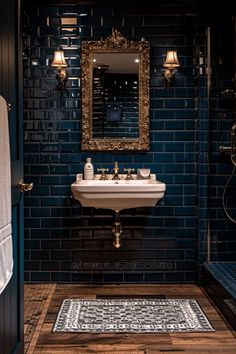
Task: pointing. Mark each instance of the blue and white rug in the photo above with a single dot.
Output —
(131, 316)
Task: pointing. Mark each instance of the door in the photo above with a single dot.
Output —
(11, 300)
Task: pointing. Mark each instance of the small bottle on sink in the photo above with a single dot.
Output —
(88, 169)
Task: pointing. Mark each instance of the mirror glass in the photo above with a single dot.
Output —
(115, 94)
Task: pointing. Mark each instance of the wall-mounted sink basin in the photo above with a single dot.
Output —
(118, 194)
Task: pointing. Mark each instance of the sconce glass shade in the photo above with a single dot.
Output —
(59, 59)
(171, 59)
(171, 64)
(60, 63)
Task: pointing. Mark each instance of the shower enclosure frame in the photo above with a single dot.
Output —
(219, 277)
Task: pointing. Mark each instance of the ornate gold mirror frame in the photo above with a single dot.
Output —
(116, 43)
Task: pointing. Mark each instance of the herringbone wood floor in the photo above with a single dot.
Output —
(43, 301)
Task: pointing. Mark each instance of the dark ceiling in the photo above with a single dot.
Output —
(203, 7)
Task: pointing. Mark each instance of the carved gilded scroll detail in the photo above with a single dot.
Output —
(116, 43)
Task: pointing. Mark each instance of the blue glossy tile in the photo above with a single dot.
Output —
(53, 152)
(59, 169)
(174, 168)
(174, 147)
(153, 277)
(53, 201)
(175, 103)
(185, 136)
(185, 211)
(164, 136)
(40, 190)
(165, 157)
(174, 125)
(40, 276)
(70, 147)
(40, 212)
(60, 190)
(50, 180)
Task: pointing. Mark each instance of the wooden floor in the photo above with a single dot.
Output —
(223, 340)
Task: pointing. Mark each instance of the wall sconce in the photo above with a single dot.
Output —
(171, 64)
(60, 63)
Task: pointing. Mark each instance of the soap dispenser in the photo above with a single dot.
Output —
(88, 169)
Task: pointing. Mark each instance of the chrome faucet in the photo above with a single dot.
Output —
(116, 171)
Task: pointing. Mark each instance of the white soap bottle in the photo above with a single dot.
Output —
(88, 169)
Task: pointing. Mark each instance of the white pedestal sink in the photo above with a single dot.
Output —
(117, 195)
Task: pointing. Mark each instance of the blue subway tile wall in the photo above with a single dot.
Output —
(63, 241)
(222, 113)
(216, 116)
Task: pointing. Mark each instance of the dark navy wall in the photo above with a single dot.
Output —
(63, 241)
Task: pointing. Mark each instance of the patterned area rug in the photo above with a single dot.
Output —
(131, 316)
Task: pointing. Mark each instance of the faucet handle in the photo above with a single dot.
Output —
(103, 170)
(103, 174)
(129, 170)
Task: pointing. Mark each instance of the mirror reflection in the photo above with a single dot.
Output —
(115, 94)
